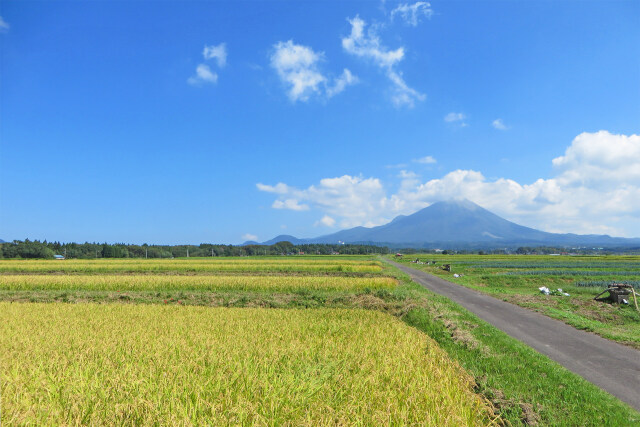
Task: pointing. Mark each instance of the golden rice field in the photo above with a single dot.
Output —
(148, 364)
(189, 266)
(106, 282)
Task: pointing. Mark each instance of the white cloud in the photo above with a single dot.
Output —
(219, 53)
(354, 199)
(345, 79)
(596, 189)
(327, 221)
(203, 71)
(600, 160)
(297, 67)
(499, 124)
(454, 117)
(249, 236)
(369, 47)
(279, 188)
(291, 204)
(203, 75)
(411, 14)
(427, 160)
(403, 95)
(4, 25)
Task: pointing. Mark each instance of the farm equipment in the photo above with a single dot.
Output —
(619, 293)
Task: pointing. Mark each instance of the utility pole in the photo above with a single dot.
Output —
(146, 253)
(211, 252)
(187, 252)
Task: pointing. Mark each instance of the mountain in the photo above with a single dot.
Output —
(280, 238)
(457, 223)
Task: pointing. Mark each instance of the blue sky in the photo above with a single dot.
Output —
(189, 122)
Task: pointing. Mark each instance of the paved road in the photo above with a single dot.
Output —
(611, 366)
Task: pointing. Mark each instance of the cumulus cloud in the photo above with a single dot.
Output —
(291, 204)
(249, 236)
(411, 13)
(327, 221)
(601, 159)
(219, 53)
(203, 75)
(4, 25)
(455, 118)
(499, 124)
(354, 199)
(427, 160)
(298, 68)
(279, 188)
(369, 47)
(595, 189)
(345, 79)
(402, 94)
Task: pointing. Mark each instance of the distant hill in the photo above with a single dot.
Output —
(458, 223)
(280, 238)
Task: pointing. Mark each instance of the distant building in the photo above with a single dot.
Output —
(58, 256)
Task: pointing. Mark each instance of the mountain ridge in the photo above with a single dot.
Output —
(455, 223)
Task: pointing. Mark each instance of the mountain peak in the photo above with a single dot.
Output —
(457, 202)
(458, 222)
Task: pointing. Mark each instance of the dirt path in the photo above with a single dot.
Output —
(611, 366)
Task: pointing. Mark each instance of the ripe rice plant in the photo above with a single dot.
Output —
(119, 364)
(187, 266)
(33, 282)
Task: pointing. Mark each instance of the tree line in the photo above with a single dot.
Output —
(37, 249)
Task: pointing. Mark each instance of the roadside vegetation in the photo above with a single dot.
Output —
(517, 279)
(124, 329)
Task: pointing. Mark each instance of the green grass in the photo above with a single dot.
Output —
(503, 280)
(524, 385)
